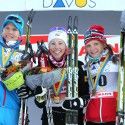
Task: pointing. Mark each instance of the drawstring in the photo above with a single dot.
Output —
(4, 97)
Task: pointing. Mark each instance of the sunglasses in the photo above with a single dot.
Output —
(90, 33)
(57, 28)
(16, 19)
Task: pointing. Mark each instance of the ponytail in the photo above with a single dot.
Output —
(114, 57)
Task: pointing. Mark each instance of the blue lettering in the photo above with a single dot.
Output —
(93, 4)
(69, 4)
(46, 6)
(59, 3)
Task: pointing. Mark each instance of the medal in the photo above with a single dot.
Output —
(93, 92)
(58, 86)
(94, 80)
(56, 99)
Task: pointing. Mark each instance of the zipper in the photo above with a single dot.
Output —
(101, 110)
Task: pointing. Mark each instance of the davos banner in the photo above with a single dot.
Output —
(46, 5)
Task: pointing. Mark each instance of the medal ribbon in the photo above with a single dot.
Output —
(57, 88)
(5, 59)
(100, 69)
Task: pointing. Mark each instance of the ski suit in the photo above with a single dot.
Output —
(57, 111)
(9, 101)
(102, 106)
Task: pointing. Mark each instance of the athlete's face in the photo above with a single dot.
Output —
(10, 33)
(57, 48)
(94, 48)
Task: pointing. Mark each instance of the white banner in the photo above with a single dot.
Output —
(46, 5)
(113, 40)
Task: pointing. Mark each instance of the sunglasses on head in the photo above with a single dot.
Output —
(57, 28)
(90, 33)
(87, 33)
(16, 19)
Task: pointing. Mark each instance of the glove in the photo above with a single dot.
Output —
(71, 104)
(24, 92)
(40, 96)
(75, 104)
